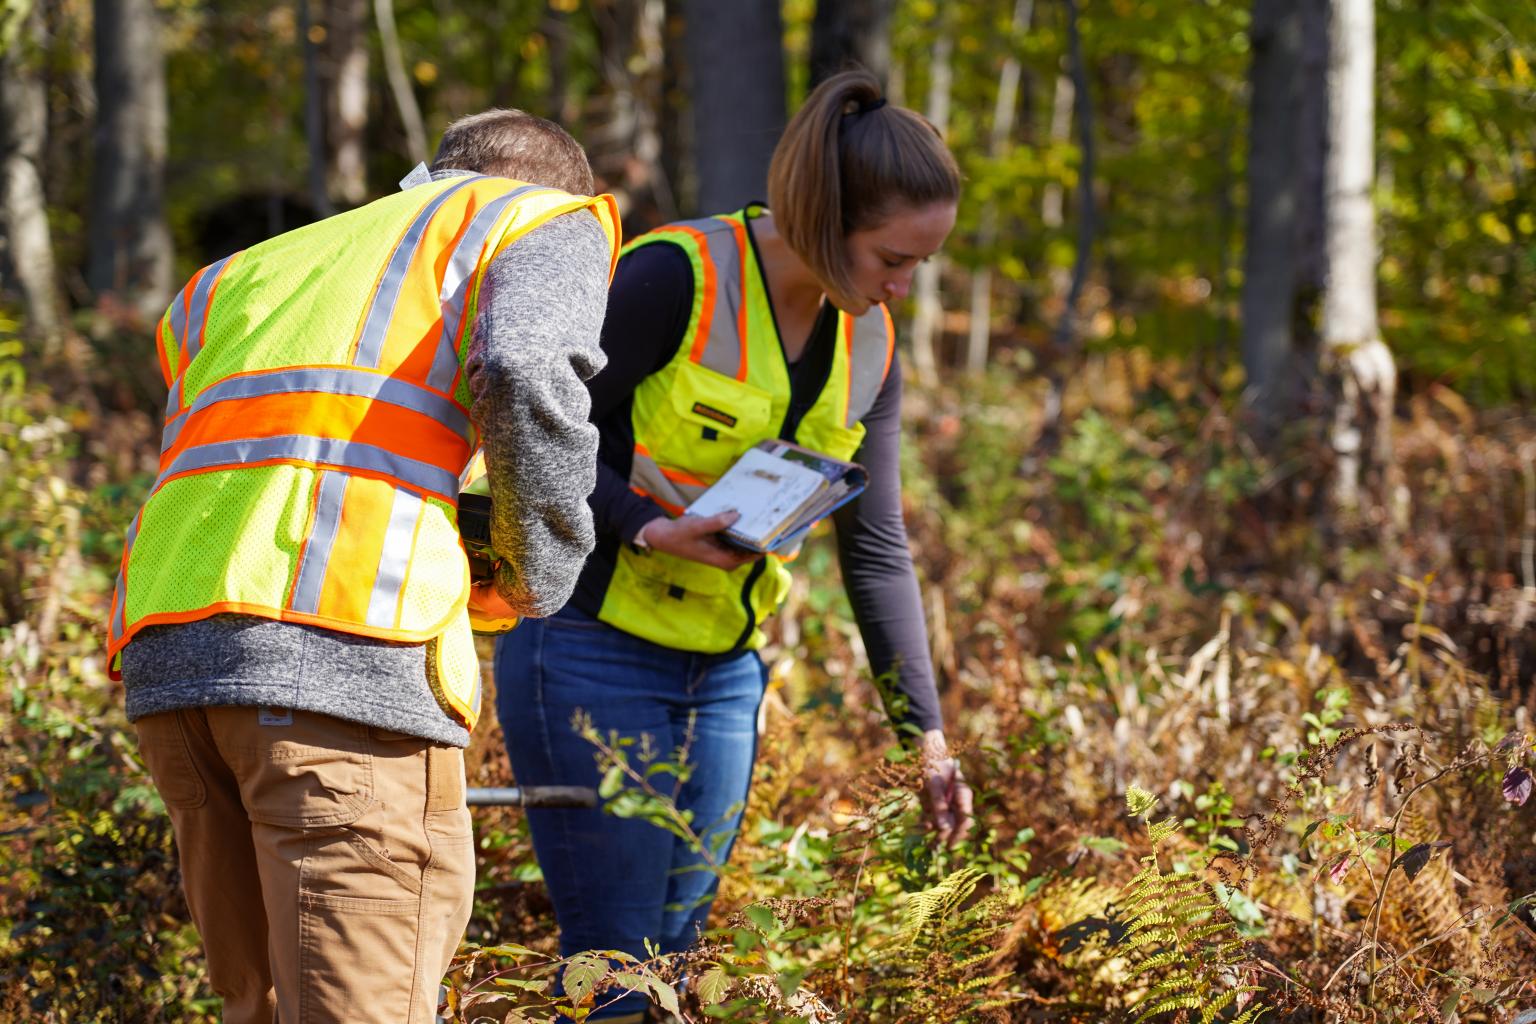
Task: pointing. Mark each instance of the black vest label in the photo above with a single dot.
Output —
(718, 415)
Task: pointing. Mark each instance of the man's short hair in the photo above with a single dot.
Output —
(516, 144)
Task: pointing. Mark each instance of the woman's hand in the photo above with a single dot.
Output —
(693, 538)
(946, 797)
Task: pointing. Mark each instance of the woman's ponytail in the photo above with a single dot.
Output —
(847, 160)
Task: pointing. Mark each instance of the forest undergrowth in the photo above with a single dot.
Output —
(1235, 755)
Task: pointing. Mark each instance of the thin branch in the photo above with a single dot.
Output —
(1065, 327)
(399, 82)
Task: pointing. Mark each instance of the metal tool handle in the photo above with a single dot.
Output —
(533, 796)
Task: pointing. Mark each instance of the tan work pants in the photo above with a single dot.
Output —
(328, 865)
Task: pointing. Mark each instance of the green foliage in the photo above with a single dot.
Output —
(91, 921)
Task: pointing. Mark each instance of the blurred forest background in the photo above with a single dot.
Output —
(1221, 478)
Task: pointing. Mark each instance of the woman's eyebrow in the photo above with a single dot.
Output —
(898, 255)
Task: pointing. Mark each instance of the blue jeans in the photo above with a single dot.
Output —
(617, 882)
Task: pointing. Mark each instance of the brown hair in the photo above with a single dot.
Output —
(516, 144)
(845, 161)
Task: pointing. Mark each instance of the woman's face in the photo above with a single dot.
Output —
(882, 259)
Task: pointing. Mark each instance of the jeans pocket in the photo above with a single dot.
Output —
(163, 744)
(314, 771)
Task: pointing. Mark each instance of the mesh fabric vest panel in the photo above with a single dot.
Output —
(317, 424)
(724, 390)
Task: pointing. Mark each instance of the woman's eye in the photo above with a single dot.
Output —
(893, 264)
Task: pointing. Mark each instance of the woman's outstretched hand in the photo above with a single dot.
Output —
(693, 538)
(946, 797)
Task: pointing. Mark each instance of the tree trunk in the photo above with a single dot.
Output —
(559, 107)
(399, 80)
(1002, 128)
(27, 245)
(130, 244)
(1066, 327)
(624, 133)
(925, 287)
(847, 32)
(1270, 257)
(675, 125)
(314, 114)
(1312, 148)
(1352, 347)
(736, 63)
(345, 84)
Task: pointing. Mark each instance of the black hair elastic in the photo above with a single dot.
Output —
(865, 108)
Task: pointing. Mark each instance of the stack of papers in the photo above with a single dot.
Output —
(781, 491)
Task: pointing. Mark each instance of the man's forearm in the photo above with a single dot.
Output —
(535, 343)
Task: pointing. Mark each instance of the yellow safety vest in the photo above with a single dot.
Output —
(726, 389)
(318, 423)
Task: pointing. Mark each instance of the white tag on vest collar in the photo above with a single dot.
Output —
(419, 176)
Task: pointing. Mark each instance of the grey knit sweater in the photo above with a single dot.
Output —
(535, 343)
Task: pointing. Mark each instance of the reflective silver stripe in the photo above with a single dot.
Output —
(339, 380)
(197, 315)
(645, 474)
(172, 403)
(321, 450)
(389, 581)
(370, 343)
(321, 541)
(120, 592)
(460, 271)
(868, 360)
(723, 351)
(179, 330)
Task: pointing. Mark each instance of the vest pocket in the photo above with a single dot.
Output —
(670, 574)
(714, 419)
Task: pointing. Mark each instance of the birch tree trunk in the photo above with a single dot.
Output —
(1002, 127)
(736, 62)
(27, 244)
(927, 310)
(851, 31)
(1053, 199)
(399, 80)
(345, 78)
(130, 244)
(1352, 347)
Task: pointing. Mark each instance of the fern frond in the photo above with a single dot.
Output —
(1210, 1008)
(985, 981)
(1159, 960)
(939, 902)
(1139, 802)
(1186, 1002)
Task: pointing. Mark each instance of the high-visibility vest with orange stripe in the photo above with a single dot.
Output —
(318, 422)
(725, 389)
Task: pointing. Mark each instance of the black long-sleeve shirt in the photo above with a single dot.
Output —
(648, 312)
